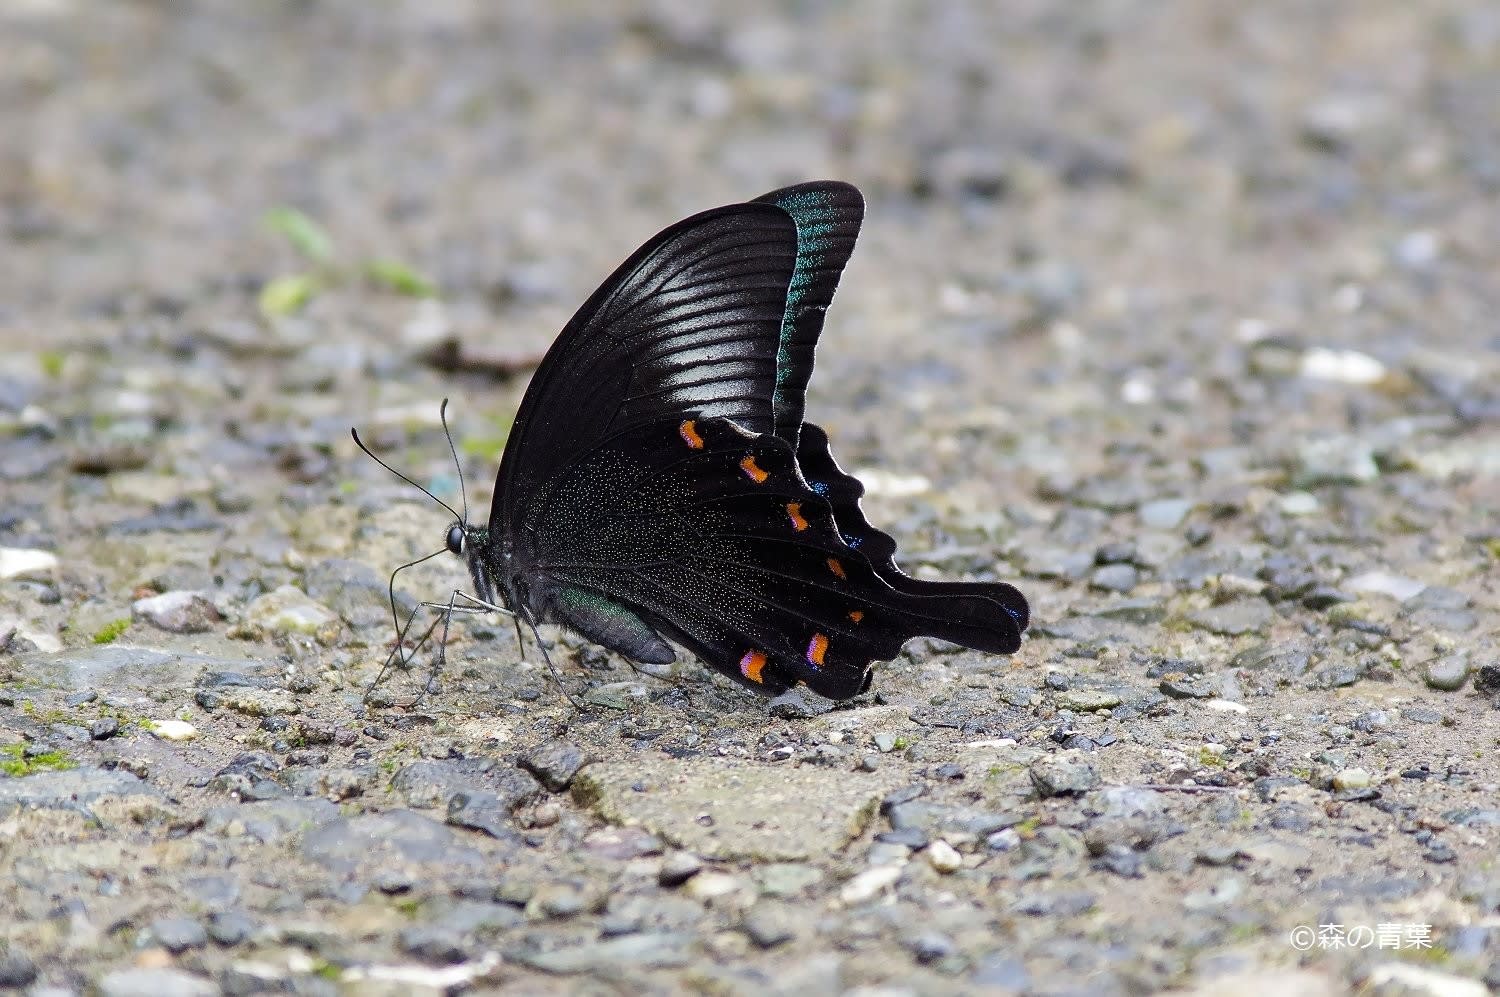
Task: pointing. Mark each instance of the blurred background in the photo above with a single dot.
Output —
(1101, 235)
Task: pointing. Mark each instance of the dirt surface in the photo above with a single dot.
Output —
(1182, 316)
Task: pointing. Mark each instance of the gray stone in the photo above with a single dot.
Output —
(1448, 673)
(640, 951)
(1438, 597)
(70, 789)
(270, 821)
(727, 809)
(155, 983)
(1337, 460)
(798, 704)
(289, 610)
(1234, 619)
(1002, 972)
(177, 612)
(1164, 514)
(1179, 686)
(118, 667)
(1087, 700)
(770, 923)
(1063, 774)
(1421, 715)
(930, 946)
(230, 927)
(678, 868)
(435, 943)
(430, 783)
(1115, 578)
(178, 934)
(554, 762)
(1056, 562)
(16, 970)
(1285, 659)
(948, 821)
(1138, 611)
(481, 811)
(377, 840)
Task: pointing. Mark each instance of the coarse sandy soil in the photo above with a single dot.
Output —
(1181, 316)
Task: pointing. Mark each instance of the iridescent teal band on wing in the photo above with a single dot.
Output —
(828, 215)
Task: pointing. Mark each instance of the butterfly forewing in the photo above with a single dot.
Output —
(828, 216)
(689, 325)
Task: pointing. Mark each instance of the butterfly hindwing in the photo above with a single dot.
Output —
(709, 534)
(843, 492)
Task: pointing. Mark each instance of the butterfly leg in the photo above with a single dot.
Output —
(557, 678)
(398, 648)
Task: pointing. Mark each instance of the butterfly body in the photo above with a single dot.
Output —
(660, 484)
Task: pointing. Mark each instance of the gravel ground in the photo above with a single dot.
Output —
(1180, 315)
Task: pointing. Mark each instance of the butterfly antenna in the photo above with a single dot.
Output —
(361, 444)
(463, 492)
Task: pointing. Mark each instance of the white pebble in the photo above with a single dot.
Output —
(869, 883)
(1299, 503)
(1342, 366)
(1351, 779)
(174, 730)
(944, 857)
(711, 885)
(1385, 583)
(18, 561)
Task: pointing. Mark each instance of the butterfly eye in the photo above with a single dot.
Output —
(456, 539)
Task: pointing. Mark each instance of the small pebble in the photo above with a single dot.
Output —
(174, 730)
(1351, 779)
(1448, 673)
(869, 884)
(554, 762)
(708, 886)
(943, 857)
(678, 868)
(178, 934)
(1164, 514)
(769, 924)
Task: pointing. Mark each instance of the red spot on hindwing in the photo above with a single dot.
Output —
(752, 470)
(816, 648)
(689, 431)
(856, 615)
(836, 567)
(751, 665)
(794, 510)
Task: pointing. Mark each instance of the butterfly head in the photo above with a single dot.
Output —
(471, 543)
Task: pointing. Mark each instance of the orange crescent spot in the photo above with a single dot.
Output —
(836, 567)
(689, 431)
(752, 471)
(856, 615)
(751, 665)
(794, 509)
(816, 648)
